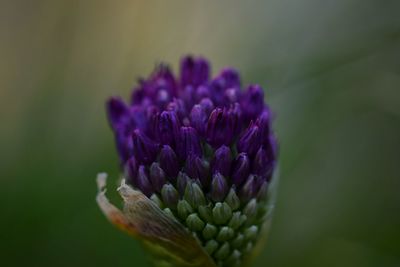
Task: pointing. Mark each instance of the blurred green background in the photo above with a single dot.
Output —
(331, 72)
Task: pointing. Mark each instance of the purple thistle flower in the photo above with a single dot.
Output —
(202, 149)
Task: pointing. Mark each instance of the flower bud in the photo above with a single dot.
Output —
(241, 169)
(264, 123)
(250, 141)
(162, 97)
(251, 233)
(138, 118)
(205, 213)
(262, 164)
(169, 212)
(157, 200)
(225, 234)
(169, 162)
(162, 79)
(151, 118)
(253, 101)
(188, 95)
(168, 127)
(209, 231)
(194, 71)
(198, 169)
(194, 195)
(249, 189)
(250, 210)
(117, 110)
(182, 181)
(194, 223)
(271, 147)
(222, 213)
(235, 114)
(170, 196)
(184, 209)
(144, 148)
(157, 176)
(188, 143)
(231, 78)
(237, 220)
(219, 187)
(131, 171)
(143, 182)
(211, 246)
(223, 252)
(263, 191)
(233, 259)
(238, 241)
(219, 128)
(232, 199)
(207, 105)
(201, 92)
(231, 95)
(178, 106)
(124, 146)
(222, 161)
(248, 248)
(217, 90)
(198, 119)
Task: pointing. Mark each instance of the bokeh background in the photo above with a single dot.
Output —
(331, 73)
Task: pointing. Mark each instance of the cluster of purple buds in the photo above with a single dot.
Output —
(202, 149)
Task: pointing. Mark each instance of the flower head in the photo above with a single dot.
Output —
(202, 150)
